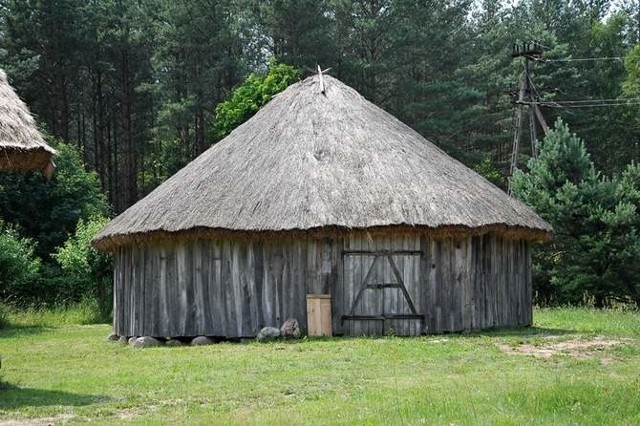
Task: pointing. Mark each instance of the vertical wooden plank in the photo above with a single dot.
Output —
(292, 266)
(176, 285)
(312, 283)
(127, 289)
(448, 283)
(471, 284)
(228, 289)
(268, 286)
(327, 262)
(192, 327)
(372, 302)
(153, 325)
(251, 295)
(478, 307)
(141, 295)
(337, 284)
(425, 284)
(209, 271)
(436, 271)
(135, 296)
(367, 301)
(281, 276)
(348, 283)
(478, 295)
(288, 277)
(398, 303)
(308, 250)
(490, 280)
(528, 284)
(297, 284)
(525, 291)
(510, 300)
(455, 314)
(205, 277)
(485, 280)
(258, 271)
(404, 244)
(498, 261)
(418, 284)
(503, 303)
(401, 327)
(467, 284)
(237, 284)
(117, 305)
(357, 328)
(496, 270)
(521, 287)
(456, 278)
(181, 311)
(197, 302)
(219, 293)
(119, 293)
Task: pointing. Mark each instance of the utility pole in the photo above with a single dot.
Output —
(530, 51)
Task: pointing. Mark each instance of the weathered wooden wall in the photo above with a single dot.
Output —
(232, 288)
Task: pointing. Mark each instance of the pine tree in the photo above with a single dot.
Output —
(595, 254)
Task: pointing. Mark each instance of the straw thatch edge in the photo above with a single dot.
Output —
(110, 243)
(21, 159)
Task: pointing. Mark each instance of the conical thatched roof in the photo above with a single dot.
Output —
(316, 162)
(21, 145)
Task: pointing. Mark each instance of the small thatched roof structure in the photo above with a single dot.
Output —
(319, 162)
(21, 145)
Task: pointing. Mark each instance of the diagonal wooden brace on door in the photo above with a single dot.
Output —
(366, 285)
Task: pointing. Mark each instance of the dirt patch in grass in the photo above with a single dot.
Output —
(576, 348)
(129, 413)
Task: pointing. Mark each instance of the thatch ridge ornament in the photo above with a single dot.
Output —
(321, 78)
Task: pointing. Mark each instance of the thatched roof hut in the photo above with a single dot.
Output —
(316, 193)
(21, 145)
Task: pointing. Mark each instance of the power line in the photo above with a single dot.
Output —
(590, 105)
(595, 103)
(583, 101)
(604, 58)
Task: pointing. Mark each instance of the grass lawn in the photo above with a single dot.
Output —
(576, 366)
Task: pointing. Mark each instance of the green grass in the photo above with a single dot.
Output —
(82, 313)
(71, 374)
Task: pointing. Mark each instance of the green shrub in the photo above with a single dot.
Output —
(256, 91)
(86, 273)
(87, 311)
(4, 317)
(48, 211)
(19, 267)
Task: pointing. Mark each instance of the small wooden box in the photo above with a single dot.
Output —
(319, 315)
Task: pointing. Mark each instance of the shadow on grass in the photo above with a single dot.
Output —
(14, 397)
(22, 330)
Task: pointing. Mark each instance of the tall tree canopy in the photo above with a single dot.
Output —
(135, 84)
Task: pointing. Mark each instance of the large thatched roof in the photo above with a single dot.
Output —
(315, 162)
(21, 145)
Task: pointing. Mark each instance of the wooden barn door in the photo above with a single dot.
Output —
(381, 292)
